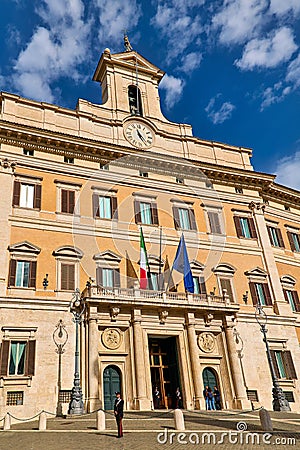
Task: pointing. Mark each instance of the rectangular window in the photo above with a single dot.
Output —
(104, 207)
(289, 395)
(146, 212)
(28, 152)
(252, 395)
(283, 364)
(68, 160)
(67, 201)
(184, 218)
(280, 365)
(226, 284)
(67, 282)
(199, 285)
(245, 227)
(214, 222)
(22, 274)
(17, 358)
(260, 293)
(275, 236)
(293, 299)
(15, 398)
(108, 278)
(27, 195)
(154, 281)
(294, 241)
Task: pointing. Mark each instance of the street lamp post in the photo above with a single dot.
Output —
(77, 308)
(60, 338)
(280, 403)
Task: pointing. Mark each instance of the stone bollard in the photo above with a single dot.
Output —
(179, 420)
(100, 420)
(43, 421)
(6, 424)
(265, 420)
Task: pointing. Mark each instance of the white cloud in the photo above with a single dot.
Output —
(283, 7)
(190, 62)
(268, 52)
(54, 50)
(239, 20)
(293, 72)
(288, 169)
(219, 113)
(173, 87)
(116, 16)
(274, 94)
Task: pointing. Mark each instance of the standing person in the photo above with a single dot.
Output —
(211, 400)
(156, 395)
(178, 398)
(118, 410)
(205, 395)
(217, 397)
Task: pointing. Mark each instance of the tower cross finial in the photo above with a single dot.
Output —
(127, 45)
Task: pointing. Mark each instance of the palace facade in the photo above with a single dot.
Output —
(76, 187)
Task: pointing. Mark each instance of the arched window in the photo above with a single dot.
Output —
(135, 101)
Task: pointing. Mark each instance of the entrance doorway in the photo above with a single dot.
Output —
(164, 370)
(210, 378)
(111, 385)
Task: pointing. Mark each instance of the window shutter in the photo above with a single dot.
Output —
(37, 196)
(192, 219)
(289, 365)
(285, 296)
(114, 207)
(252, 228)
(279, 237)
(291, 241)
(71, 201)
(274, 361)
(176, 218)
(16, 193)
(64, 201)
(67, 277)
(270, 235)
(32, 274)
(71, 277)
(12, 272)
(95, 205)
(154, 213)
(116, 273)
(214, 222)
(253, 293)
(267, 294)
(238, 227)
(296, 300)
(99, 277)
(4, 355)
(202, 286)
(30, 358)
(137, 211)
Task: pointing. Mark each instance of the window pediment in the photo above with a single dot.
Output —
(107, 256)
(24, 247)
(196, 266)
(68, 251)
(224, 269)
(288, 282)
(257, 271)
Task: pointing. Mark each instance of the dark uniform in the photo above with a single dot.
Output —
(118, 410)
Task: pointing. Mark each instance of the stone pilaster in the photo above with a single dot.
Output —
(280, 305)
(194, 356)
(240, 401)
(142, 402)
(93, 366)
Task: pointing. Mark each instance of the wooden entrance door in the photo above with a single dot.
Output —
(111, 385)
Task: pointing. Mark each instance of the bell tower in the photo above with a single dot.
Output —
(129, 84)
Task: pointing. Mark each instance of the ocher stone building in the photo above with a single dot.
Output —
(75, 188)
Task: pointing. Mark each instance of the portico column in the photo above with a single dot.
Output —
(194, 356)
(241, 401)
(142, 402)
(280, 305)
(93, 365)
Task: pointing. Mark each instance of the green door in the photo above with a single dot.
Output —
(209, 378)
(112, 384)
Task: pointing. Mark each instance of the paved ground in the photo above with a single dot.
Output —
(155, 430)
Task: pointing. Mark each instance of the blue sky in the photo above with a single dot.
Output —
(232, 66)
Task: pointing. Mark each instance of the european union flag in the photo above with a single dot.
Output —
(181, 264)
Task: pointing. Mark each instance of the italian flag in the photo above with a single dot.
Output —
(143, 262)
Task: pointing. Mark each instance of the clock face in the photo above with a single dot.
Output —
(138, 135)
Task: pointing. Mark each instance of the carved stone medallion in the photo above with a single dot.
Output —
(112, 338)
(206, 342)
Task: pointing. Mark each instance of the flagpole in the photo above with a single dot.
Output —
(159, 267)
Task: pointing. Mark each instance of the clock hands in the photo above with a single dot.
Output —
(141, 136)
